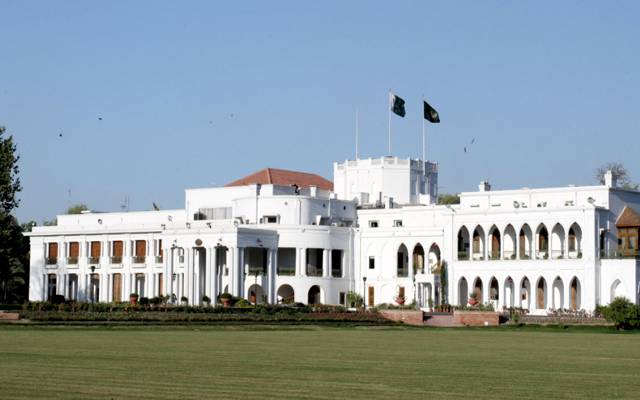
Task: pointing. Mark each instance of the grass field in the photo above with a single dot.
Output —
(315, 362)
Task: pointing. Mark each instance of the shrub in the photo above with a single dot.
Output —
(144, 301)
(623, 313)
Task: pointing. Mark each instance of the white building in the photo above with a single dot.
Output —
(280, 235)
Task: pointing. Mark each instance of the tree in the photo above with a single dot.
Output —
(619, 171)
(14, 247)
(623, 313)
(9, 181)
(446, 198)
(77, 209)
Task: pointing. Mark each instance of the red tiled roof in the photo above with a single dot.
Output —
(273, 176)
(628, 218)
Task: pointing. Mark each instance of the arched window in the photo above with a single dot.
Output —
(313, 296)
(543, 242)
(402, 260)
(478, 243)
(524, 242)
(496, 243)
(541, 294)
(463, 244)
(418, 259)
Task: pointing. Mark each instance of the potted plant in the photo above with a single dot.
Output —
(400, 300)
(226, 299)
(430, 303)
(133, 298)
(206, 300)
(473, 298)
(184, 300)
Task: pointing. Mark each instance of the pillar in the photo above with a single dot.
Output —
(325, 263)
(214, 273)
(271, 254)
(303, 262)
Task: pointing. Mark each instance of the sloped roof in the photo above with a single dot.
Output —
(628, 218)
(274, 176)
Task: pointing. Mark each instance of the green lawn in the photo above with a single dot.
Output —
(315, 362)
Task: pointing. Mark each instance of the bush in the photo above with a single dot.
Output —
(623, 313)
(144, 301)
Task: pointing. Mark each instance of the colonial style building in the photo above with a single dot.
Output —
(280, 236)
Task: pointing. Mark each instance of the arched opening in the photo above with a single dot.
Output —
(541, 294)
(478, 243)
(286, 295)
(256, 295)
(525, 240)
(557, 242)
(542, 236)
(402, 260)
(509, 243)
(574, 242)
(434, 257)
(495, 243)
(525, 294)
(477, 289)
(418, 259)
(557, 298)
(94, 288)
(494, 291)
(463, 244)
(617, 290)
(463, 292)
(575, 294)
(508, 293)
(313, 296)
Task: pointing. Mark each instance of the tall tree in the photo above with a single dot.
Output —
(9, 180)
(77, 209)
(14, 248)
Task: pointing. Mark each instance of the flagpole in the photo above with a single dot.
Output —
(357, 134)
(389, 111)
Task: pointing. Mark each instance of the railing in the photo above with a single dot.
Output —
(287, 271)
(138, 259)
(620, 254)
(313, 271)
(51, 260)
(494, 255)
(116, 260)
(159, 259)
(72, 260)
(93, 260)
(542, 254)
(526, 255)
(463, 255)
(403, 272)
(508, 255)
(477, 256)
(557, 254)
(575, 254)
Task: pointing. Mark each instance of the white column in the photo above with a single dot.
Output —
(208, 273)
(214, 273)
(240, 270)
(190, 275)
(232, 260)
(325, 263)
(303, 262)
(270, 275)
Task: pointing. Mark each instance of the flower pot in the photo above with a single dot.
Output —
(473, 302)
(400, 301)
(133, 300)
(226, 302)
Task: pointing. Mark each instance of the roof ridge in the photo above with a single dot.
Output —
(269, 175)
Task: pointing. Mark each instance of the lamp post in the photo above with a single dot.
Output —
(364, 292)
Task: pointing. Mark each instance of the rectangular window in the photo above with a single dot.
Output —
(286, 261)
(52, 253)
(117, 288)
(314, 262)
(117, 250)
(73, 287)
(74, 252)
(401, 292)
(256, 257)
(270, 219)
(95, 250)
(343, 299)
(160, 284)
(140, 251)
(372, 262)
(371, 301)
(336, 263)
(373, 224)
(397, 223)
(52, 283)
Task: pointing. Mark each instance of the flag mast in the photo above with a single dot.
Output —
(357, 133)
(424, 156)
(389, 112)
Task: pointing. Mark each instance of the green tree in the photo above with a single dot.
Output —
(446, 198)
(14, 248)
(77, 209)
(623, 313)
(621, 173)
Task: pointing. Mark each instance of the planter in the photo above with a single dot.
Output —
(226, 302)
(473, 302)
(133, 299)
(400, 301)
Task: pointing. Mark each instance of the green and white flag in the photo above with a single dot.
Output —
(396, 105)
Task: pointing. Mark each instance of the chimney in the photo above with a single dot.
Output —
(484, 186)
(610, 180)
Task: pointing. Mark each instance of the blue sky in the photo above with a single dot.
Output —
(195, 94)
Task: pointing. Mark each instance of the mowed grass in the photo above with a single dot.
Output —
(314, 362)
